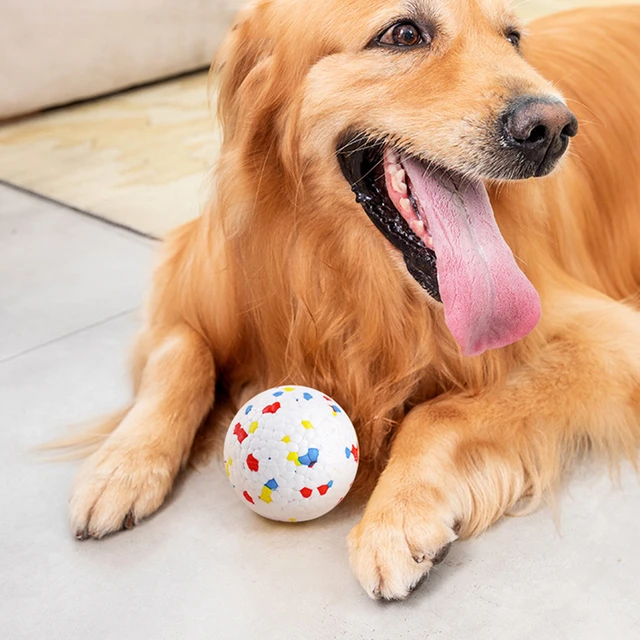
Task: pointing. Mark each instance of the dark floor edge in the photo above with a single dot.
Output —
(88, 214)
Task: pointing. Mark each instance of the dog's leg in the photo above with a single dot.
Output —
(459, 463)
(129, 477)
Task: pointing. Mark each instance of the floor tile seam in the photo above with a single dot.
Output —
(82, 212)
(69, 334)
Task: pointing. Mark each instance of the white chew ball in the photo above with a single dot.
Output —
(291, 454)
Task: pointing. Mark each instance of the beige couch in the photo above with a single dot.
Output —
(57, 51)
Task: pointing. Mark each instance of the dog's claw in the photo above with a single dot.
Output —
(129, 521)
(81, 534)
(442, 553)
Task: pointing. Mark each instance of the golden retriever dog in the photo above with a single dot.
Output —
(404, 220)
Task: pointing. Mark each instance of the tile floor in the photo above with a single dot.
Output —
(205, 566)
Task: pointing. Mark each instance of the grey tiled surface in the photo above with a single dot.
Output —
(58, 277)
(205, 566)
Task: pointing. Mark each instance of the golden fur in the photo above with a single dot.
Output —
(285, 279)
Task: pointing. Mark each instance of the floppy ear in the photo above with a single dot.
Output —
(244, 65)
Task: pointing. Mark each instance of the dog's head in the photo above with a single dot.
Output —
(413, 105)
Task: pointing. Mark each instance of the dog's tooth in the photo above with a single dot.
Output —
(405, 204)
(417, 227)
(400, 184)
(395, 182)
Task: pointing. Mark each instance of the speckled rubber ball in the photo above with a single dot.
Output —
(291, 454)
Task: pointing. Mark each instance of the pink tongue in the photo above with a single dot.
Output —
(488, 301)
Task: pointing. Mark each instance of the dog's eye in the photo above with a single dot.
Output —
(402, 34)
(514, 38)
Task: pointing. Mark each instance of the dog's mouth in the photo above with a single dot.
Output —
(443, 224)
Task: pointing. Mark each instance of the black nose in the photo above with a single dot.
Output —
(540, 130)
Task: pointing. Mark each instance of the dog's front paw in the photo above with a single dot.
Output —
(395, 545)
(116, 487)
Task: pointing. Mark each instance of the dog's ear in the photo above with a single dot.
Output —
(244, 66)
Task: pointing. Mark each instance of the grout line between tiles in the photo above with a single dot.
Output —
(68, 335)
(88, 214)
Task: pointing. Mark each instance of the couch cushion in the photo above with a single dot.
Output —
(57, 52)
